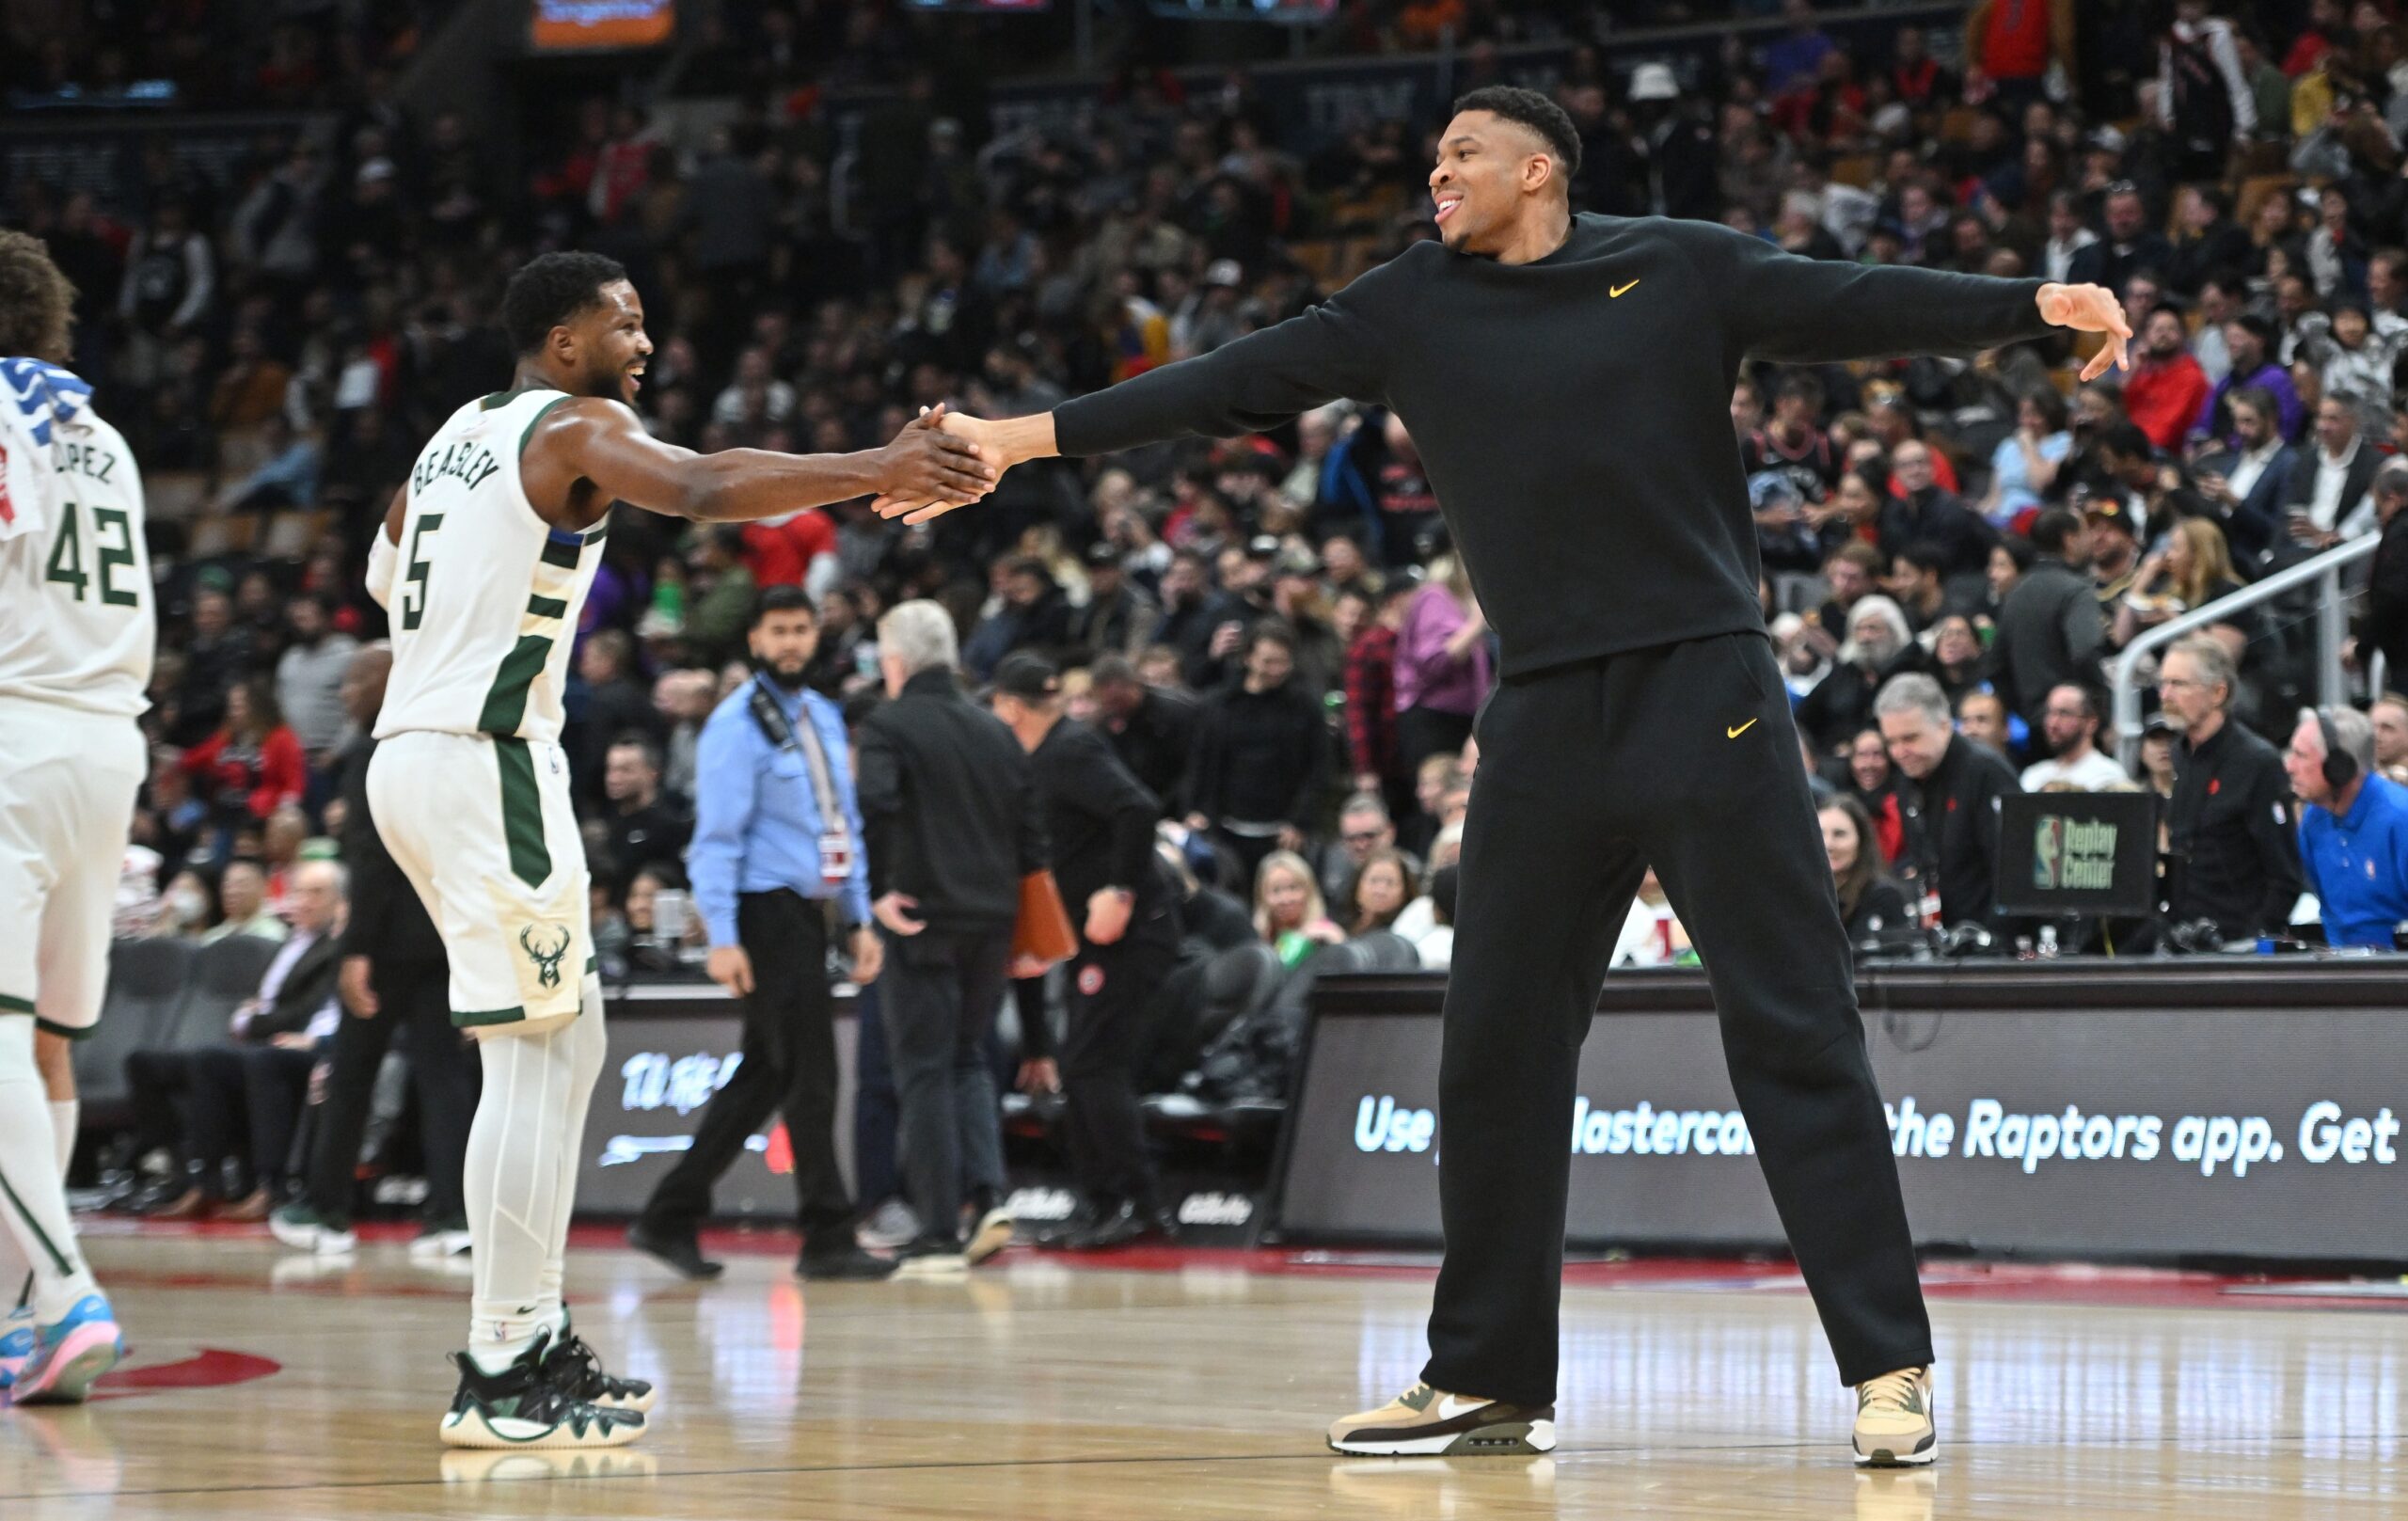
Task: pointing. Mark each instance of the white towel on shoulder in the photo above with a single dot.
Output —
(35, 400)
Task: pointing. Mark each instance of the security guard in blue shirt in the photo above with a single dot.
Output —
(776, 846)
(2354, 830)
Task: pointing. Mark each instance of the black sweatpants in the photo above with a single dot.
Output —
(444, 1067)
(1682, 756)
(789, 1069)
(1111, 987)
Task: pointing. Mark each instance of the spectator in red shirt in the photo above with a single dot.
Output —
(782, 551)
(253, 765)
(2167, 387)
(2015, 40)
(1370, 694)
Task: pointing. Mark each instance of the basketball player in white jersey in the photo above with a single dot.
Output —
(76, 635)
(484, 563)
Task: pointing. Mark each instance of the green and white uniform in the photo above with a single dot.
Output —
(77, 628)
(469, 785)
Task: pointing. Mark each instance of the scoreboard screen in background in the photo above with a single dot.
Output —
(575, 26)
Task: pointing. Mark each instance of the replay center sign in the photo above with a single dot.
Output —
(2226, 1131)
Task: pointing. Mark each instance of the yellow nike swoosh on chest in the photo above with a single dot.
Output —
(1734, 734)
(1618, 289)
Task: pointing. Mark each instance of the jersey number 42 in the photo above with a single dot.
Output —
(67, 555)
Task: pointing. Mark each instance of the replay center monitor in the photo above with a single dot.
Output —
(2065, 854)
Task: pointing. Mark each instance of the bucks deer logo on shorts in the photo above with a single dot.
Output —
(545, 952)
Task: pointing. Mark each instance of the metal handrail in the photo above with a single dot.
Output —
(2330, 628)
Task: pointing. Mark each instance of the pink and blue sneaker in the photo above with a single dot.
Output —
(70, 1354)
(16, 1345)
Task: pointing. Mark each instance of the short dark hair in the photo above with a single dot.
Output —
(547, 290)
(1113, 671)
(36, 300)
(2259, 400)
(2254, 326)
(1533, 110)
(637, 739)
(1925, 555)
(2051, 529)
(783, 599)
(1276, 630)
(2051, 406)
(2128, 439)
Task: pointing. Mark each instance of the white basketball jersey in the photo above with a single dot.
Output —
(78, 623)
(485, 594)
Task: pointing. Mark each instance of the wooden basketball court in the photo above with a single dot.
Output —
(1170, 1385)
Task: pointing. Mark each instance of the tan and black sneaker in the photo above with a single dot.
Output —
(1427, 1422)
(1894, 1424)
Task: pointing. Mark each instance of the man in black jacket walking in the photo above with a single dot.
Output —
(951, 818)
(1567, 380)
(393, 976)
(1100, 822)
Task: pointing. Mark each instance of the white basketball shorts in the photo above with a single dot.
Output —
(67, 782)
(484, 830)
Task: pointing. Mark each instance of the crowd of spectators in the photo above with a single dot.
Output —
(1274, 630)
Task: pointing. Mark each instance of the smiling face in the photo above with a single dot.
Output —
(1840, 844)
(1489, 171)
(603, 348)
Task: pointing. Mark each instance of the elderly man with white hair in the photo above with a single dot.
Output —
(2352, 828)
(1880, 647)
(951, 820)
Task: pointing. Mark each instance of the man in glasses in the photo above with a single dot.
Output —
(2229, 825)
(1363, 826)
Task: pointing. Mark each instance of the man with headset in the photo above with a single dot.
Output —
(2352, 829)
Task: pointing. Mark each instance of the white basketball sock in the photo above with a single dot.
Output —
(590, 1047)
(15, 1273)
(64, 1118)
(33, 1202)
(513, 1184)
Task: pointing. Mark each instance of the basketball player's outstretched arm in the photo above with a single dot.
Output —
(588, 453)
(1792, 309)
(1253, 384)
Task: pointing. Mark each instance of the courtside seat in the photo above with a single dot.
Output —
(147, 982)
(223, 976)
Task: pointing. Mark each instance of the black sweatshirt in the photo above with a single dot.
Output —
(1261, 757)
(1099, 820)
(950, 813)
(1580, 439)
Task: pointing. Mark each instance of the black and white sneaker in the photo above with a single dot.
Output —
(577, 1368)
(525, 1406)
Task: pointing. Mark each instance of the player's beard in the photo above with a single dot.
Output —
(790, 677)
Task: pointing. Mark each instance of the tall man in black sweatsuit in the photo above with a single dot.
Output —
(951, 818)
(394, 977)
(1100, 823)
(1567, 381)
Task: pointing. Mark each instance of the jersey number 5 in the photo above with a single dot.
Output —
(67, 554)
(414, 585)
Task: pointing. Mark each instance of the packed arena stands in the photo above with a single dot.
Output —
(288, 252)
